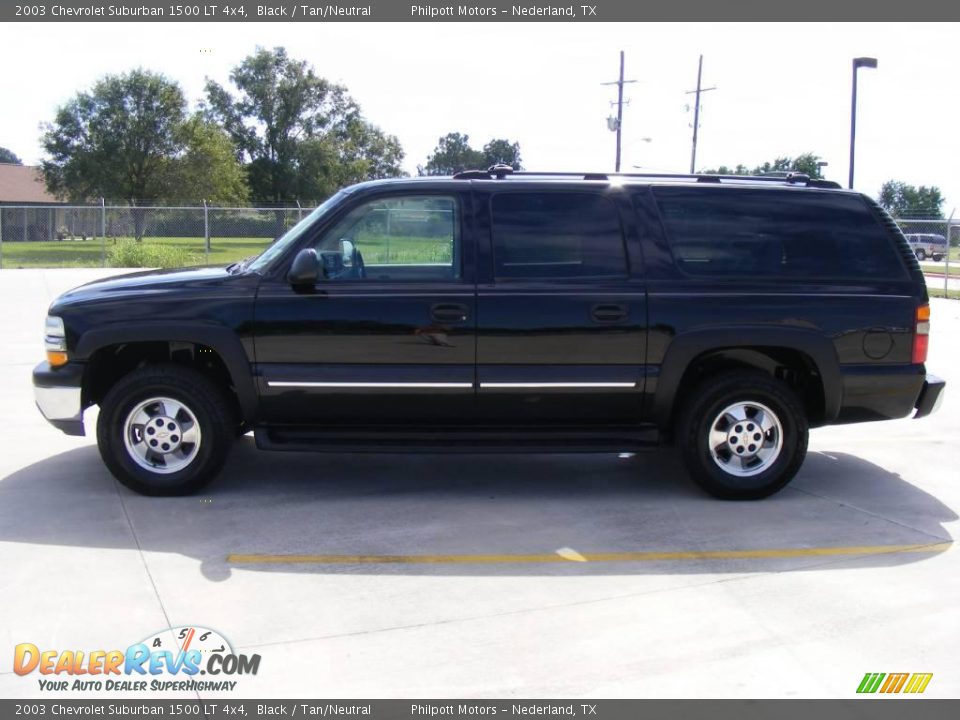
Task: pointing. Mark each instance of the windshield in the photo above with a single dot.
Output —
(280, 245)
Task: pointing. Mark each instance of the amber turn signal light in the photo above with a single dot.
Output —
(56, 358)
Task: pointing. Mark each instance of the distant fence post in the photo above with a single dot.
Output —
(206, 233)
(946, 270)
(299, 212)
(103, 232)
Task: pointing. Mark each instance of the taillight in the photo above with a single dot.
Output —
(921, 335)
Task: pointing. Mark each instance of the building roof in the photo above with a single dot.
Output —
(23, 184)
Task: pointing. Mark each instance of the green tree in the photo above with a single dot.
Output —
(806, 163)
(501, 151)
(116, 141)
(453, 154)
(8, 156)
(300, 135)
(907, 201)
(207, 167)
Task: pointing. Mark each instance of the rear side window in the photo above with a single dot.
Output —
(770, 233)
(556, 235)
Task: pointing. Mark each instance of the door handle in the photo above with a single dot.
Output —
(609, 313)
(448, 312)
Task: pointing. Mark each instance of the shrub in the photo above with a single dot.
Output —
(129, 253)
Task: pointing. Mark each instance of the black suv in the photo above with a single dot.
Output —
(499, 311)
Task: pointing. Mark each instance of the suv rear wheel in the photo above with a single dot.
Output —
(164, 430)
(921, 254)
(743, 435)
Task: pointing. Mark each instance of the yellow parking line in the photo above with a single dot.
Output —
(572, 556)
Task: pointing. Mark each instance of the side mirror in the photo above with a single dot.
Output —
(305, 268)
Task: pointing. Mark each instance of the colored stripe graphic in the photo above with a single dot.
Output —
(918, 683)
(894, 682)
(870, 682)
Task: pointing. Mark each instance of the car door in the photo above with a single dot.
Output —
(561, 335)
(386, 336)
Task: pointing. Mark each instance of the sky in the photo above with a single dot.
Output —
(782, 89)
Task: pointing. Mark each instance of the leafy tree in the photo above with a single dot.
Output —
(116, 140)
(805, 163)
(906, 201)
(453, 154)
(501, 151)
(8, 156)
(207, 167)
(300, 135)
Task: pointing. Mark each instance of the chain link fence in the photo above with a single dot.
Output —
(935, 242)
(50, 236)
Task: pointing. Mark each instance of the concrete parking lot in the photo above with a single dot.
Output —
(491, 576)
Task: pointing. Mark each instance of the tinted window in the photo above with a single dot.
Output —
(556, 235)
(775, 233)
(393, 239)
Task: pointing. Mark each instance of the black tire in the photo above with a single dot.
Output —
(704, 407)
(937, 258)
(201, 398)
(921, 254)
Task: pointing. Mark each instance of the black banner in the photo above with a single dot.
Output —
(79, 11)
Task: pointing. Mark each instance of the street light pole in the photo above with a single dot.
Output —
(858, 63)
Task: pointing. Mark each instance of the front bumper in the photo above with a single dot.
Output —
(58, 392)
(930, 396)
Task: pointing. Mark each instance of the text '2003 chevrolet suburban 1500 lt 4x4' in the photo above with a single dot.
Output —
(502, 311)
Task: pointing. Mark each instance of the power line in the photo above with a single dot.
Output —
(619, 126)
(696, 114)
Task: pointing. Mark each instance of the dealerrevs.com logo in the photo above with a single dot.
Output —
(182, 658)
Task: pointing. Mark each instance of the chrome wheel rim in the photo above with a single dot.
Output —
(745, 438)
(162, 435)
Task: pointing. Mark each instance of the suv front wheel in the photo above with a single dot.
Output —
(743, 435)
(164, 430)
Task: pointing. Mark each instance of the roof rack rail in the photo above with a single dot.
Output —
(499, 172)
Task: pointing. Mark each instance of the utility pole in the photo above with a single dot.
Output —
(696, 114)
(618, 125)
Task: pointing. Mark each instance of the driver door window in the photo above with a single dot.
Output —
(395, 239)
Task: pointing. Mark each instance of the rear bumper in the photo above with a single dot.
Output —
(931, 395)
(58, 393)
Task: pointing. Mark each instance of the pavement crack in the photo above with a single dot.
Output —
(856, 508)
(143, 558)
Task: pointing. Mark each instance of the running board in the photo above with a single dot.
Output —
(460, 440)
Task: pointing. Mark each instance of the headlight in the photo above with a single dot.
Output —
(55, 341)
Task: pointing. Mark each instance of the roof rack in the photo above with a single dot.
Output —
(499, 172)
